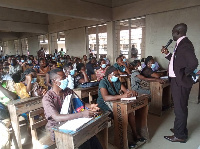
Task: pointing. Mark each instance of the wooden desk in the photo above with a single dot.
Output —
(86, 92)
(126, 79)
(160, 96)
(121, 109)
(16, 108)
(66, 139)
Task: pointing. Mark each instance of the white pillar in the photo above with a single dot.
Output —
(113, 41)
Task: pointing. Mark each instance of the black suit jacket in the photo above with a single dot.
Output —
(185, 62)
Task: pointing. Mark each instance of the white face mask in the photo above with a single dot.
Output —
(139, 68)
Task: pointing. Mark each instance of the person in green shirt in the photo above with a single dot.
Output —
(111, 89)
(121, 66)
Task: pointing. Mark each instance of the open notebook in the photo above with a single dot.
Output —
(75, 124)
(131, 98)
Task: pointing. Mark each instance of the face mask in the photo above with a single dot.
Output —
(114, 79)
(103, 66)
(22, 60)
(105, 59)
(64, 84)
(153, 66)
(62, 61)
(53, 57)
(139, 68)
(124, 60)
(72, 72)
(33, 80)
(29, 61)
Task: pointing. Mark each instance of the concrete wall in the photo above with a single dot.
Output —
(159, 27)
(75, 42)
(33, 45)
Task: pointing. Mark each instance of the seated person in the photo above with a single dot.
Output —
(139, 83)
(52, 103)
(81, 76)
(156, 67)
(15, 68)
(27, 64)
(61, 62)
(124, 60)
(52, 65)
(84, 60)
(121, 66)
(109, 90)
(101, 71)
(33, 87)
(69, 73)
(42, 68)
(148, 69)
(90, 68)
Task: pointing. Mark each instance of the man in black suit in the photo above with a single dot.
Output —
(182, 64)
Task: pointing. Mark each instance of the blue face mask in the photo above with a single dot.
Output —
(62, 61)
(153, 66)
(103, 66)
(64, 84)
(72, 72)
(124, 69)
(114, 79)
(22, 60)
(124, 60)
(105, 59)
(53, 57)
(33, 80)
(29, 61)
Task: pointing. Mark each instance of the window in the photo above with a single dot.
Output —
(131, 34)
(17, 47)
(61, 41)
(97, 36)
(43, 40)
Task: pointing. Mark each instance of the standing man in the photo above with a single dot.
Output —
(182, 63)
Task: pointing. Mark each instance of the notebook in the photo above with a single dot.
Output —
(131, 98)
(75, 124)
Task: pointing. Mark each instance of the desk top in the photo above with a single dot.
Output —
(103, 117)
(87, 88)
(131, 101)
(23, 101)
(167, 83)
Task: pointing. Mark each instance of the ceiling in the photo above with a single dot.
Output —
(111, 3)
(34, 16)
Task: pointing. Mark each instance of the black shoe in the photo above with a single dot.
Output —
(141, 140)
(131, 145)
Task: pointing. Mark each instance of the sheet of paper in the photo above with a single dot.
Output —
(123, 75)
(164, 77)
(74, 124)
(131, 98)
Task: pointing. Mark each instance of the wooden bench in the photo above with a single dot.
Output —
(37, 123)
